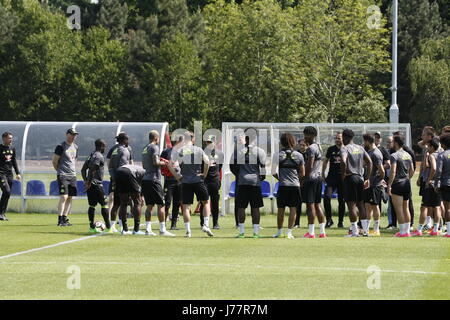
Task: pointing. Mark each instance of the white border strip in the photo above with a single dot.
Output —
(284, 267)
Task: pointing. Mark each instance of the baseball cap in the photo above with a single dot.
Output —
(378, 133)
(211, 139)
(72, 131)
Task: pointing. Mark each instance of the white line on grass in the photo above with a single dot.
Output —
(47, 247)
(54, 245)
(230, 266)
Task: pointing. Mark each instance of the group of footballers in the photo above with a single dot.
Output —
(364, 176)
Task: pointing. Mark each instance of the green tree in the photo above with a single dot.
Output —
(8, 23)
(342, 54)
(430, 84)
(172, 25)
(252, 63)
(113, 16)
(418, 20)
(313, 62)
(99, 81)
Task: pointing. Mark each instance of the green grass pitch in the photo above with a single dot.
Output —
(223, 267)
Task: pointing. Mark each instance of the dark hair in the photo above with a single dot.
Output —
(369, 138)
(446, 129)
(429, 131)
(399, 139)
(122, 137)
(99, 143)
(250, 138)
(434, 143)
(7, 133)
(348, 133)
(445, 139)
(309, 130)
(287, 140)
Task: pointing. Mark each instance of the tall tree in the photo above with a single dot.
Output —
(418, 20)
(172, 25)
(113, 16)
(430, 82)
(342, 52)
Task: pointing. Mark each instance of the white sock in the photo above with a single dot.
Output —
(162, 227)
(120, 223)
(436, 227)
(365, 225)
(428, 222)
(376, 225)
(420, 227)
(280, 231)
(354, 227)
(368, 224)
(289, 231)
(148, 226)
(241, 227)
(113, 224)
(256, 228)
(404, 227)
(448, 227)
(311, 229)
(322, 228)
(187, 226)
(206, 221)
(407, 227)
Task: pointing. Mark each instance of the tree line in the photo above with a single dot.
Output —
(216, 60)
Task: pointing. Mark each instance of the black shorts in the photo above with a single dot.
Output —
(333, 182)
(421, 187)
(431, 198)
(67, 185)
(189, 189)
(353, 188)
(111, 186)
(402, 189)
(96, 195)
(289, 196)
(312, 191)
(373, 195)
(125, 183)
(152, 192)
(249, 194)
(445, 193)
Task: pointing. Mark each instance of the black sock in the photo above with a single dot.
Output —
(91, 215)
(105, 216)
(137, 223)
(59, 219)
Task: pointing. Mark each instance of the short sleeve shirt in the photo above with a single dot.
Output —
(377, 159)
(68, 157)
(190, 160)
(314, 151)
(152, 172)
(355, 159)
(403, 161)
(289, 162)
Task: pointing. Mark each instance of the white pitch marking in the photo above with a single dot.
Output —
(227, 265)
(54, 245)
(47, 247)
